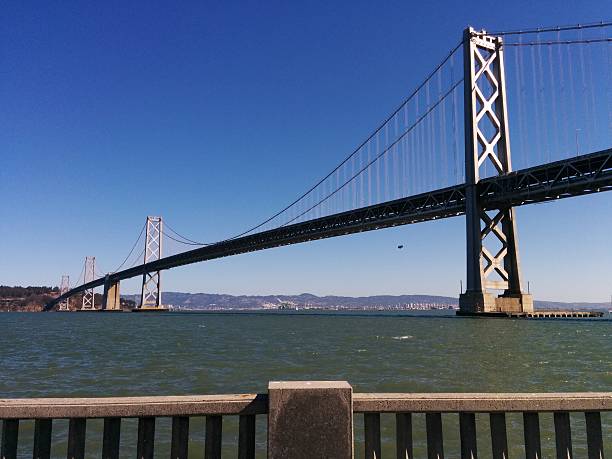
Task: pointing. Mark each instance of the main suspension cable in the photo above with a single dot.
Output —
(199, 244)
(384, 152)
(135, 262)
(356, 150)
(553, 28)
(561, 42)
(188, 241)
(344, 161)
(78, 279)
(132, 249)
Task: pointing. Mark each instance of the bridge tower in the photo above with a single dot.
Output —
(64, 305)
(492, 245)
(88, 276)
(151, 282)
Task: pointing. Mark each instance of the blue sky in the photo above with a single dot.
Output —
(215, 114)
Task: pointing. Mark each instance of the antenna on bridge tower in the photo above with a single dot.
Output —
(64, 305)
(88, 276)
(151, 282)
(487, 141)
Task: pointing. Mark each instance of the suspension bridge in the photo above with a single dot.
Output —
(444, 152)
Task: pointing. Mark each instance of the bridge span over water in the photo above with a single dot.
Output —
(409, 170)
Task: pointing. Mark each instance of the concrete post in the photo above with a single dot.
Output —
(310, 419)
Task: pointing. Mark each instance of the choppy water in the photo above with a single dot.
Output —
(43, 355)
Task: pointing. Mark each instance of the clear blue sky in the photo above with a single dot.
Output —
(215, 114)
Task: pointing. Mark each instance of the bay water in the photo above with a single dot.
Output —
(120, 354)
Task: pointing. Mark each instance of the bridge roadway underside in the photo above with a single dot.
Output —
(576, 176)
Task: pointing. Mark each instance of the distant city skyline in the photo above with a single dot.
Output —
(215, 116)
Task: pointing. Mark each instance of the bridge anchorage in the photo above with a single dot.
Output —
(487, 140)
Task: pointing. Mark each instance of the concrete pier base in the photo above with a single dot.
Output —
(521, 302)
(151, 309)
(310, 420)
(111, 298)
(473, 303)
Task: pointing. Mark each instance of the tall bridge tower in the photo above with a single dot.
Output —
(151, 281)
(492, 245)
(88, 276)
(64, 305)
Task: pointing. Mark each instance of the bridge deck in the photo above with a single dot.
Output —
(576, 176)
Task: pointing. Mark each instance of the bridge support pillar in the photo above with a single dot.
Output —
(111, 299)
(492, 245)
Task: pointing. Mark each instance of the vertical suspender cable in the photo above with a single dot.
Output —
(563, 103)
(362, 200)
(443, 151)
(587, 115)
(386, 184)
(572, 100)
(545, 111)
(405, 183)
(397, 159)
(454, 122)
(377, 169)
(591, 86)
(608, 60)
(591, 89)
(430, 140)
(419, 150)
(369, 172)
(536, 120)
(417, 158)
(553, 98)
(524, 114)
(412, 171)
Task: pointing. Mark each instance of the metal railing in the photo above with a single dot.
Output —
(146, 409)
(496, 406)
(247, 407)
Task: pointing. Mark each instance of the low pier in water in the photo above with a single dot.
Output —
(538, 314)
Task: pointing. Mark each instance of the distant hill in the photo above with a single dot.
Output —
(205, 301)
(223, 301)
(31, 298)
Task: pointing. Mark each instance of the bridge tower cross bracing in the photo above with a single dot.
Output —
(151, 282)
(88, 276)
(492, 245)
(64, 305)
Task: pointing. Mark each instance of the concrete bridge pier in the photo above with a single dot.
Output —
(111, 299)
(475, 303)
